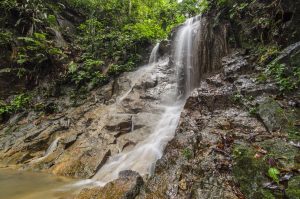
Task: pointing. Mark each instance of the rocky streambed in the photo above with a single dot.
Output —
(77, 141)
(232, 130)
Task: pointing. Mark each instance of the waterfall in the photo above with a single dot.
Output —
(154, 54)
(52, 147)
(142, 157)
(192, 55)
(185, 56)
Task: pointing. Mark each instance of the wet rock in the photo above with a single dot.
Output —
(111, 119)
(251, 165)
(65, 24)
(126, 187)
(219, 149)
(212, 97)
(84, 166)
(215, 80)
(235, 65)
(150, 83)
(249, 172)
(182, 185)
(248, 85)
(164, 48)
(280, 148)
(70, 140)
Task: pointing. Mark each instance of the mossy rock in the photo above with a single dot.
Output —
(293, 190)
(283, 152)
(274, 117)
(249, 172)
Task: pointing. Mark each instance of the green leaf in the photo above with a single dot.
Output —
(273, 173)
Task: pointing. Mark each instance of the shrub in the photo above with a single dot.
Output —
(20, 102)
(287, 78)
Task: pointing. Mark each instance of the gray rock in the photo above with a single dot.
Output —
(272, 115)
(290, 55)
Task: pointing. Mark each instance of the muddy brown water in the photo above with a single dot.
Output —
(31, 185)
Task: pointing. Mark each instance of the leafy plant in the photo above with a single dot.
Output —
(6, 37)
(20, 102)
(36, 50)
(253, 111)
(187, 153)
(266, 53)
(287, 78)
(236, 9)
(204, 5)
(273, 173)
(32, 14)
(237, 97)
(89, 71)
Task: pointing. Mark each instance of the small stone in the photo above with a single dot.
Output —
(182, 184)
(224, 125)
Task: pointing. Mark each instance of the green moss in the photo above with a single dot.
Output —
(267, 194)
(187, 153)
(249, 172)
(281, 151)
(293, 190)
(275, 117)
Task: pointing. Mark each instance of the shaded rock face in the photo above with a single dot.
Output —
(222, 149)
(113, 119)
(7, 79)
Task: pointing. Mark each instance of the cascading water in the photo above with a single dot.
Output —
(154, 54)
(185, 56)
(143, 156)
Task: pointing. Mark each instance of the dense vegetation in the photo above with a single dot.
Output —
(108, 37)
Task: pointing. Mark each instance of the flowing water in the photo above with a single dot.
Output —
(154, 54)
(143, 157)
(185, 57)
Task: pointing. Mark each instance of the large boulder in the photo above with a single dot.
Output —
(126, 187)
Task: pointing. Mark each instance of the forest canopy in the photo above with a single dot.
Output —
(109, 36)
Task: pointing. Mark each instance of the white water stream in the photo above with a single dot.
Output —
(142, 158)
(185, 52)
(154, 54)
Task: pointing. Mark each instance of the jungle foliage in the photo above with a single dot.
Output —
(111, 34)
